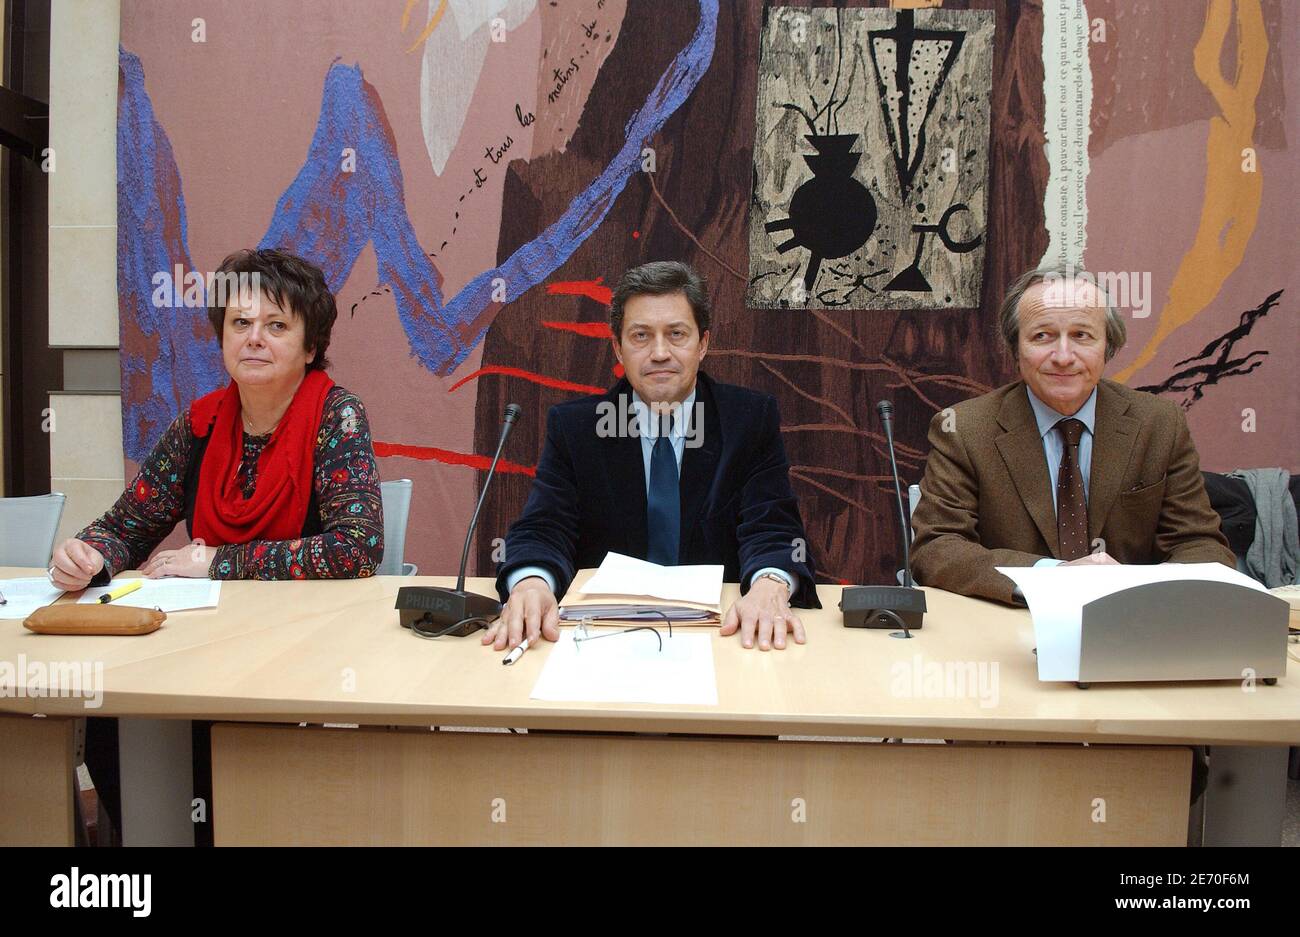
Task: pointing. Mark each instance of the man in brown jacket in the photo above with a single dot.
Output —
(1062, 466)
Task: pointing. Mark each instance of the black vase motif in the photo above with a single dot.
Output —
(832, 214)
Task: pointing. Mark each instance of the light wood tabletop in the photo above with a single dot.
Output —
(333, 651)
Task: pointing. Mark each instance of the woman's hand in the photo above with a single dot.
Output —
(74, 563)
(191, 561)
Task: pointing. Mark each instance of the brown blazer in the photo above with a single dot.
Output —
(986, 501)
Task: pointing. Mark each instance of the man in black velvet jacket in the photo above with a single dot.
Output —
(669, 466)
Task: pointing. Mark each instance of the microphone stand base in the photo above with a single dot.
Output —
(883, 607)
(436, 612)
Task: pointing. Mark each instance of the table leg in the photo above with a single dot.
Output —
(1246, 797)
(157, 782)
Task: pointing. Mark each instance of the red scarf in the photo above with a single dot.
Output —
(278, 507)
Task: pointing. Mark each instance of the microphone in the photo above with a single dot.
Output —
(886, 411)
(512, 413)
(887, 606)
(432, 612)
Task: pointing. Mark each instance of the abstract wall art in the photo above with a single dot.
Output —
(871, 158)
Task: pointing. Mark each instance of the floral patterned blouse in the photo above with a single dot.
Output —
(351, 542)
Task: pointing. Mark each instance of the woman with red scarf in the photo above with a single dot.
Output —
(274, 475)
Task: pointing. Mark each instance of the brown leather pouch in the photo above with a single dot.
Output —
(71, 618)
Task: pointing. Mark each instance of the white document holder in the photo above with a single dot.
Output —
(1183, 630)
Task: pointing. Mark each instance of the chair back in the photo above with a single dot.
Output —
(28, 527)
(396, 496)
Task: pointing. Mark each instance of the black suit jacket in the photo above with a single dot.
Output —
(589, 496)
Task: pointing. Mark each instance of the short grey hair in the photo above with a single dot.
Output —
(1009, 317)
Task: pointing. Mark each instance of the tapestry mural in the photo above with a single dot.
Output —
(474, 175)
(894, 108)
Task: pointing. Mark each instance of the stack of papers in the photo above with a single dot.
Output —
(627, 589)
(644, 614)
(170, 595)
(26, 595)
(1056, 596)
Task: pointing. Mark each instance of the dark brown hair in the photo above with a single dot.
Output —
(293, 284)
(661, 278)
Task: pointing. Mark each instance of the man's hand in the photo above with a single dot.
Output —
(192, 561)
(530, 610)
(74, 563)
(765, 609)
(1094, 559)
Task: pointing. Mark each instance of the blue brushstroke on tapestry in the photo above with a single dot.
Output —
(328, 216)
(151, 238)
(539, 258)
(368, 205)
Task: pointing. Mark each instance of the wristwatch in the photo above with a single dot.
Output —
(775, 578)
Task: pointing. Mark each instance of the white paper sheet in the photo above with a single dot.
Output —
(626, 575)
(170, 595)
(1057, 594)
(26, 595)
(630, 668)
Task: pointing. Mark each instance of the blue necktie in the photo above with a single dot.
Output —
(663, 504)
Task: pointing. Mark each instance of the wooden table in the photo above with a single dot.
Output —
(278, 654)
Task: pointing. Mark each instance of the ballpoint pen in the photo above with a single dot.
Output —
(518, 652)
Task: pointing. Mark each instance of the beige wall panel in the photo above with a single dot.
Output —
(87, 437)
(83, 186)
(87, 499)
(83, 287)
(83, 112)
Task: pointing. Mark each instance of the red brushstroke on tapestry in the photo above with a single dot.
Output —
(589, 329)
(434, 454)
(592, 289)
(529, 376)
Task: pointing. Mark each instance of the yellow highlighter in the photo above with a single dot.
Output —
(122, 590)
